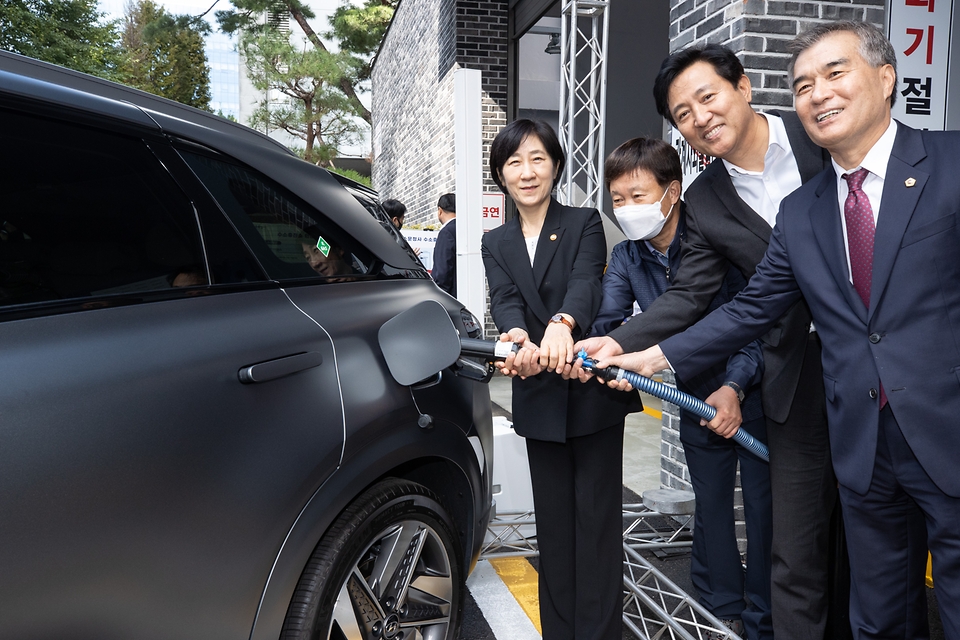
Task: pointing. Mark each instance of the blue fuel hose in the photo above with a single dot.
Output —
(674, 396)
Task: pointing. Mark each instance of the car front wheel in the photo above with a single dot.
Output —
(388, 569)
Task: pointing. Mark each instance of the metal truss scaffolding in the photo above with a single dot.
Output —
(583, 99)
(654, 608)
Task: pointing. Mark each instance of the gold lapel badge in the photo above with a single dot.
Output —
(553, 236)
(909, 182)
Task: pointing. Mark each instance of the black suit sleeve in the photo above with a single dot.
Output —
(445, 259)
(506, 302)
(582, 298)
(697, 281)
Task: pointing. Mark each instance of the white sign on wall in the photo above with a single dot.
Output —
(493, 204)
(423, 240)
(920, 33)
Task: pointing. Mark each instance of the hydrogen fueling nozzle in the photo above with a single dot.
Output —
(488, 349)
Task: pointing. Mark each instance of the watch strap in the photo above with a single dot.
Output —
(559, 318)
(733, 385)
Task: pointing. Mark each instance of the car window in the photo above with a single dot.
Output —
(372, 205)
(89, 213)
(290, 239)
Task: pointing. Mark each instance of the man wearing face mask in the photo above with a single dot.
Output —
(644, 178)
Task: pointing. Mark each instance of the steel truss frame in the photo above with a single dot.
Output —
(584, 28)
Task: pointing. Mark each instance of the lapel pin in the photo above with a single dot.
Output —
(553, 236)
(910, 182)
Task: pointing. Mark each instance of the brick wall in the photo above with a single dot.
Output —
(482, 44)
(412, 102)
(758, 31)
(412, 106)
(673, 464)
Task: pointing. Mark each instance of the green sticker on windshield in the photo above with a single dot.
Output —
(324, 247)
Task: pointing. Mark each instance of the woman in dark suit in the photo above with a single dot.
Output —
(544, 269)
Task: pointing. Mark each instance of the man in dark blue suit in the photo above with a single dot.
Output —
(445, 252)
(872, 245)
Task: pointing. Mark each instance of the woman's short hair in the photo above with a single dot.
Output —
(723, 60)
(512, 136)
(646, 154)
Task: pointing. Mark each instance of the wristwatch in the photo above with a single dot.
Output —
(733, 385)
(559, 318)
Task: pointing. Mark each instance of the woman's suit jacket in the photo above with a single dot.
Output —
(564, 278)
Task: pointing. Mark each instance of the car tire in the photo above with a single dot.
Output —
(389, 568)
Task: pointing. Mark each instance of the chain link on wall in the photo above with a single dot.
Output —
(583, 99)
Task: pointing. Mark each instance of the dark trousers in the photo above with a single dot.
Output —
(577, 494)
(804, 497)
(716, 569)
(888, 532)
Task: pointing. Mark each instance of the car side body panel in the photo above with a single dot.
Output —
(140, 480)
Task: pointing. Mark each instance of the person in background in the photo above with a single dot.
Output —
(644, 178)
(544, 269)
(396, 210)
(445, 252)
(731, 209)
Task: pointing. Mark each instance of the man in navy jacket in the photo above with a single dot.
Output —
(445, 252)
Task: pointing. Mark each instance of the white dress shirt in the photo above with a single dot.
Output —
(875, 162)
(532, 247)
(763, 190)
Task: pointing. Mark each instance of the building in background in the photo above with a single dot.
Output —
(514, 43)
(224, 63)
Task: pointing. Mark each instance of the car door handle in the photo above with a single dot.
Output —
(273, 369)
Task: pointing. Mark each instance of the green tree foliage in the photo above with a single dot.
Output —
(353, 175)
(358, 29)
(163, 54)
(71, 33)
(315, 109)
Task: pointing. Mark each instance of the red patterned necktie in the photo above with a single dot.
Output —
(861, 229)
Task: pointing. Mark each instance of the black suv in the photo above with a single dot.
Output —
(199, 433)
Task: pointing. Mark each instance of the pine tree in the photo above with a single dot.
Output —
(163, 54)
(358, 29)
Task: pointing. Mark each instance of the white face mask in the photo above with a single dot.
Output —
(642, 221)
